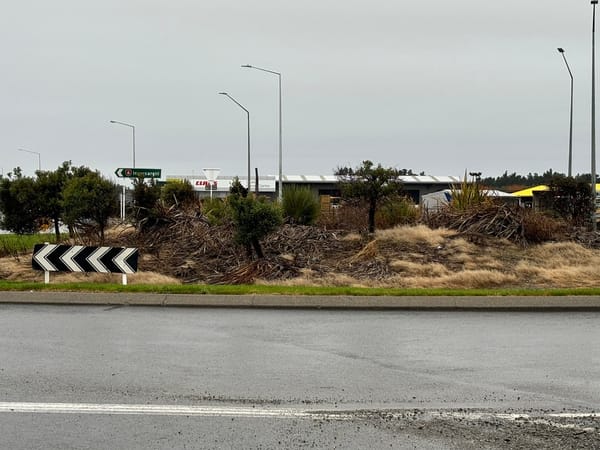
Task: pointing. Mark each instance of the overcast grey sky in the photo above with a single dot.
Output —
(436, 86)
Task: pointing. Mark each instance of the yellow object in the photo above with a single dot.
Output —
(542, 187)
(529, 191)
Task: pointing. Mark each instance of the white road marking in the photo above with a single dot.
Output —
(544, 419)
(547, 419)
(162, 410)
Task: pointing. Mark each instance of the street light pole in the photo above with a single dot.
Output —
(133, 130)
(562, 52)
(35, 153)
(594, 3)
(248, 115)
(279, 190)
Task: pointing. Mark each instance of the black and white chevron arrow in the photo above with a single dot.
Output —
(79, 258)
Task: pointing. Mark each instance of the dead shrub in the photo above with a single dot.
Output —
(541, 227)
(349, 216)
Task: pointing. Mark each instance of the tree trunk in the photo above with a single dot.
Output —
(57, 229)
(257, 248)
(372, 208)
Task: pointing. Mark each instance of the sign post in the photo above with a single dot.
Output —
(211, 175)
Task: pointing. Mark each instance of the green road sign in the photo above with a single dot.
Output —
(127, 172)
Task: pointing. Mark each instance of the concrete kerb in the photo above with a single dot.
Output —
(305, 301)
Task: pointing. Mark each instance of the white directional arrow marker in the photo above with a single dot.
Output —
(67, 258)
(120, 260)
(94, 259)
(40, 258)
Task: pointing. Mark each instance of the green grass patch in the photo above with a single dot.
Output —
(17, 244)
(282, 290)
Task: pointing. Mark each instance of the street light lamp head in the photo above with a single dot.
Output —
(561, 50)
(594, 2)
(248, 66)
(223, 93)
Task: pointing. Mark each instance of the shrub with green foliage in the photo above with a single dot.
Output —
(467, 195)
(19, 203)
(216, 211)
(253, 219)
(396, 211)
(90, 200)
(178, 192)
(300, 206)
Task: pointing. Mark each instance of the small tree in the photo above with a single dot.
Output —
(178, 192)
(369, 183)
(571, 199)
(300, 206)
(90, 199)
(49, 187)
(253, 218)
(19, 203)
(145, 197)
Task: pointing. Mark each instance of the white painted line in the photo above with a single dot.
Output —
(162, 410)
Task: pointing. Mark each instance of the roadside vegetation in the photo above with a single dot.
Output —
(375, 240)
(14, 245)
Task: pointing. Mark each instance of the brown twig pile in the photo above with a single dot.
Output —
(187, 247)
(497, 220)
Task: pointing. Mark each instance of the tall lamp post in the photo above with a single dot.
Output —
(594, 3)
(279, 189)
(35, 153)
(562, 52)
(133, 130)
(248, 115)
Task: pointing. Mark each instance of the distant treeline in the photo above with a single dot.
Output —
(514, 182)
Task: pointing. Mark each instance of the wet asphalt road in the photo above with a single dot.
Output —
(387, 379)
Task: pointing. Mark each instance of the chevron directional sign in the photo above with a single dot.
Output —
(79, 258)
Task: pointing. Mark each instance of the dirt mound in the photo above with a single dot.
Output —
(192, 251)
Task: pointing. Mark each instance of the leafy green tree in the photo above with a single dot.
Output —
(300, 206)
(178, 192)
(90, 199)
(370, 183)
(146, 194)
(253, 218)
(19, 203)
(49, 187)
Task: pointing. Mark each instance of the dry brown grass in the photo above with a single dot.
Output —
(369, 251)
(418, 234)
(405, 256)
(468, 279)
(560, 264)
(560, 254)
(20, 270)
(415, 269)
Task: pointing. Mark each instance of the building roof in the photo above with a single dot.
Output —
(406, 179)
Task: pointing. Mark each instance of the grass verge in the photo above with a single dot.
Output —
(284, 290)
(16, 244)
